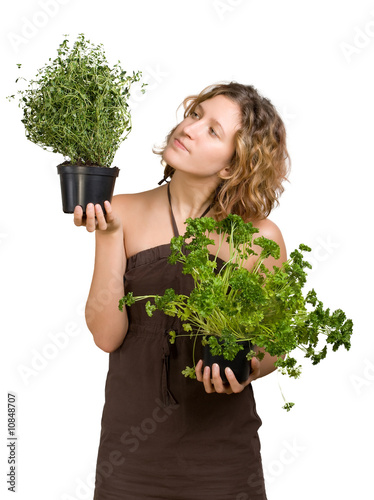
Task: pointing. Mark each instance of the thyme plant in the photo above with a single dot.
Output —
(77, 105)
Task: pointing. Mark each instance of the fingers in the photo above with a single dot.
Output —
(207, 381)
(256, 370)
(94, 218)
(101, 222)
(78, 216)
(109, 212)
(198, 370)
(217, 381)
(90, 218)
(203, 375)
(211, 378)
(235, 386)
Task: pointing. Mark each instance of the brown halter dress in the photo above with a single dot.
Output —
(162, 436)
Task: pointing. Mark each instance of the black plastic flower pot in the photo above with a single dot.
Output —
(81, 185)
(239, 365)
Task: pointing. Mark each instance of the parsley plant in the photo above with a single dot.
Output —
(229, 303)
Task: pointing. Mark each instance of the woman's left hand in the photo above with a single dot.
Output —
(213, 381)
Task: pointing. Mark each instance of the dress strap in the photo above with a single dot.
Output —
(175, 227)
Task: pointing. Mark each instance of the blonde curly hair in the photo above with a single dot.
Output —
(260, 163)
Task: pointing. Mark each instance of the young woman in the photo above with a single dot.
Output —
(164, 436)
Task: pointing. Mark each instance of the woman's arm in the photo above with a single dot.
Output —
(106, 322)
(265, 366)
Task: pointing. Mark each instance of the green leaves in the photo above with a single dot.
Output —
(269, 247)
(77, 105)
(127, 300)
(288, 366)
(225, 345)
(238, 233)
(168, 303)
(228, 303)
(172, 335)
(189, 372)
(288, 406)
(249, 287)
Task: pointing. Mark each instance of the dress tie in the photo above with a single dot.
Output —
(167, 397)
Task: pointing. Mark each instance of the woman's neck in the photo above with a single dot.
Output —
(191, 197)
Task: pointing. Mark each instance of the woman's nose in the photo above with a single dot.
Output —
(191, 130)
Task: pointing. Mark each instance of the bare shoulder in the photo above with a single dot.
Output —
(129, 202)
(131, 207)
(268, 229)
(143, 217)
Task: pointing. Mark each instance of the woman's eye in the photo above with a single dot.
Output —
(212, 131)
(194, 114)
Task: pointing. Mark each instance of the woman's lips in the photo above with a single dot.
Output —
(180, 145)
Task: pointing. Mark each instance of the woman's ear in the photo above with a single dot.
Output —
(225, 171)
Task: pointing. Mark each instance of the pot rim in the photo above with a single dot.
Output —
(87, 170)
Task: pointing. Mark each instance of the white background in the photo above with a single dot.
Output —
(314, 60)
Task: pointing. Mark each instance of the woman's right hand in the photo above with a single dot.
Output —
(95, 220)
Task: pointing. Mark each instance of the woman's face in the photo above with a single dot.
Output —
(203, 143)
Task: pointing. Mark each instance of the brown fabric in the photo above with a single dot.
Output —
(162, 435)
